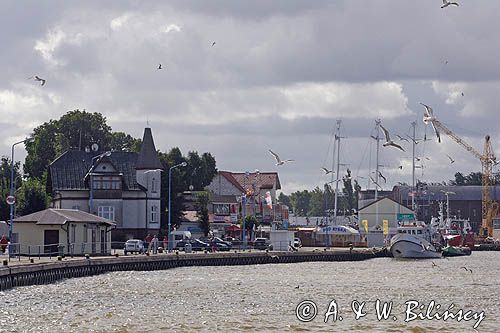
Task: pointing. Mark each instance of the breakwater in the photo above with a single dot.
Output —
(43, 273)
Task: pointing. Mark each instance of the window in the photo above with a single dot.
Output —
(154, 187)
(154, 214)
(73, 234)
(107, 212)
(221, 209)
(106, 182)
(85, 233)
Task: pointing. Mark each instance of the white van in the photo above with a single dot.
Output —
(178, 235)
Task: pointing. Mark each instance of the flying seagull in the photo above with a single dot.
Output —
(451, 159)
(213, 44)
(400, 167)
(327, 171)
(382, 176)
(388, 141)
(278, 159)
(467, 269)
(402, 138)
(159, 66)
(463, 95)
(37, 78)
(447, 3)
(429, 118)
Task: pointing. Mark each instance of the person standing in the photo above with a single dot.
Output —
(3, 243)
(148, 242)
(154, 243)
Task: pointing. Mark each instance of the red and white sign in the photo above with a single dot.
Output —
(11, 200)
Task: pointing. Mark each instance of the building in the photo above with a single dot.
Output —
(62, 231)
(227, 206)
(375, 213)
(465, 201)
(124, 187)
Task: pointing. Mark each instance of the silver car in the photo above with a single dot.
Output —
(133, 246)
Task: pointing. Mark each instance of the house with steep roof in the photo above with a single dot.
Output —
(227, 189)
(124, 187)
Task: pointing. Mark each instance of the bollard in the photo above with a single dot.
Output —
(32, 260)
(5, 262)
(87, 256)
(116, 255)
(59, 258)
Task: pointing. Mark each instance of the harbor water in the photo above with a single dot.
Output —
(269, 298)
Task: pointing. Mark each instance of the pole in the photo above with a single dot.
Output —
(447, 206)
(377, 125)
(244, 202)
(12, 192)
(413, 124)
(337, 138)
(169, 193)
(183, 164)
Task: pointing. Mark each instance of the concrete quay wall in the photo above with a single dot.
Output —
(43, 273)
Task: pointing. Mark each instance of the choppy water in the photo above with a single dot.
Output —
(261, 298)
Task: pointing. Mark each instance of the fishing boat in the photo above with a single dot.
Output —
(455, 231)
(414, 240)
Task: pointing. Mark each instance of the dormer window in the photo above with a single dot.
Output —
(107, 182)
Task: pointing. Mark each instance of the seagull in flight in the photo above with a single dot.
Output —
(327, 171)
(213, 44)
(402, 138)
(467, 269)
(37, 78)
(447, 3)
(429, 118)
(400, 167)
(451, 159)
(388, 141)
(278, 159)
(159, 66)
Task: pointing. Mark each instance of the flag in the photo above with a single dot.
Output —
(385, 227)
(269, 201)
(365, 225)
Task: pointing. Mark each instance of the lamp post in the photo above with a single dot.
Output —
(12, 192)
(183, 164)
(98, 157)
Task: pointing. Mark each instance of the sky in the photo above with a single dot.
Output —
(279, 76)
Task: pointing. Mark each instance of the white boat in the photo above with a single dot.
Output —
(413, 240)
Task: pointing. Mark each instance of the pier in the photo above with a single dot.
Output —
(25, 274)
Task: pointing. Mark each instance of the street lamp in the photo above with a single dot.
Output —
(12, 192)
(183, 164)
(98, 157)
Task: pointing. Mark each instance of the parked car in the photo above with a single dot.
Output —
(297, 242)
(220, 245)
(133, 246)
(196, 245)
(262, 244)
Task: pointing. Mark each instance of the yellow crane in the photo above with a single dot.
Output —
(489, 208)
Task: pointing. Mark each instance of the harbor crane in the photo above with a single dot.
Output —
(489, 209)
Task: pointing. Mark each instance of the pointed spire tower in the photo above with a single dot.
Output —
(148, 157)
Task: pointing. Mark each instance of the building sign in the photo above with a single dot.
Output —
(336, 229)
(406, 217)
(219, 218)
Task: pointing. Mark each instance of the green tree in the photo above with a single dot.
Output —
(74, 130)
(32, 197)
(250, 222)
(182, 177)
(202, 201)
(300, 202)
(316, 202)
(284, 199)
(120, 141)
(349, 200)
(5, 170)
